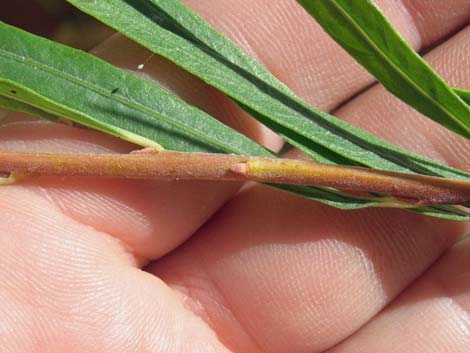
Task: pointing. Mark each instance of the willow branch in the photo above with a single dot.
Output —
(169, 165)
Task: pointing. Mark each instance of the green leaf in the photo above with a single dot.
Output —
(464, 94)
(365, 33)
(71, 83)
(47, 79)
(170, 29)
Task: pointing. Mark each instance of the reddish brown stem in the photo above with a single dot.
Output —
(199, 166)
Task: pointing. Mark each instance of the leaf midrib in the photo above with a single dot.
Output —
(397, 68)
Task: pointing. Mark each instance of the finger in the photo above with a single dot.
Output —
(433, 315)
(66, 287)
(301, 277)
(290, 275)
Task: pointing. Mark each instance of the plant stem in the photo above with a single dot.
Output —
(171, 165)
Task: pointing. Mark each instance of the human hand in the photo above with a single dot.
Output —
(269, 272)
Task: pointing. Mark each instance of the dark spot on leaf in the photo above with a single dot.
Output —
(114, 90)
(13, 91)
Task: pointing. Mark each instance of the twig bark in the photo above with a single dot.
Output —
(171, 165)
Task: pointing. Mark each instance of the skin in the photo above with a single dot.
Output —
(144, 266)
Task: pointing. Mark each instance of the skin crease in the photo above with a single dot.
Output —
(269, 272)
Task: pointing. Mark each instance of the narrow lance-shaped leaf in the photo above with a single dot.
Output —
(362, 30)
(68, 82)
(170, 29)
(48, 79)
